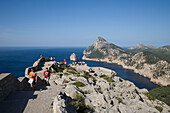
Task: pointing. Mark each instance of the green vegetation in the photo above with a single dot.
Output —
(83, 92)
(100, 90)
(71, 79)
(87, 76)
(78, 84)
(119, 100)
(109, 79)
(159, 108)
(60, 68)
(65, 81)
(158, 73)
(150, 97)
(72, 72)
(151, 58)
(90, 48)
(80, 105)
(161, 52)
(96, 54)
(66, 73)
(161, 93)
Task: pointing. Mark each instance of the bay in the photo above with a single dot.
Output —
(16, 59)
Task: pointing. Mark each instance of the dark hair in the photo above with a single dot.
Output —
(47, 68)
(32, 69)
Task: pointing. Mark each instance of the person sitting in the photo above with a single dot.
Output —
(47, 76)
(113, 74)
(91, 71)
(95, 74)
(33, 79)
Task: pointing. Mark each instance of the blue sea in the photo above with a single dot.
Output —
(15, 59)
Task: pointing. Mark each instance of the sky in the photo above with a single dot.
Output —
(78, 23)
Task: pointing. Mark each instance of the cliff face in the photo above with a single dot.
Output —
(144, 63)
(102, 49)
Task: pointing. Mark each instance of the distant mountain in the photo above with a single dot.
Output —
(102, 49)
(146, 60)
(142, 46)
(163, 51)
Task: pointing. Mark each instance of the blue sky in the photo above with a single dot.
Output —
(80, 22)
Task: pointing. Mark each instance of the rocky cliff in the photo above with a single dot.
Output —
(144, 63)
(105, 94)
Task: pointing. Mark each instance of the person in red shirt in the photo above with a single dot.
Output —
(64, 61)
(47, 76)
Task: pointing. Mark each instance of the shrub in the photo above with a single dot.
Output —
(100, 91)
(72, 72)
(159, 108)
(83, 92)
(87, 76)
(71, 79)
(119, 100)
(79, 104)
(109, 79)
(150, 97)
(66, 73)
(78, 84)
(65, 81)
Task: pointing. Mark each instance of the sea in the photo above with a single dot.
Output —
(16, 59)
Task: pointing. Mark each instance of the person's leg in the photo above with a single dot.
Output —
(48, 80)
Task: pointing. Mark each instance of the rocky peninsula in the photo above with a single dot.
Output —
(73, 89)
(145, 63)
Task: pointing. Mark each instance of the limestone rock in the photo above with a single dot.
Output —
(71, 91)
(61, 105)
(74, 57)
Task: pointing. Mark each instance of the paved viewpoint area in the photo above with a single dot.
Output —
(38, 101)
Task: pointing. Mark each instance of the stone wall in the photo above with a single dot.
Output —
(8, 83)
(36, 66)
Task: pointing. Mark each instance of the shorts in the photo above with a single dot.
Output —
(31, 81)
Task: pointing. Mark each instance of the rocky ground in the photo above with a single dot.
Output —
(102, 94)
(73, 89)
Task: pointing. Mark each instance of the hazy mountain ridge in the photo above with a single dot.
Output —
(163, 51)
(143, 62)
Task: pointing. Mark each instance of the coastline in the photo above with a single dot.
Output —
(158, 81)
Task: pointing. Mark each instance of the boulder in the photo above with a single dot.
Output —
(96, 99)
(71, 91)
(74, 57)
(61, 105)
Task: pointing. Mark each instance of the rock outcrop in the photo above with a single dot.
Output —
(74, 57)
(144, 63)
(99, 95)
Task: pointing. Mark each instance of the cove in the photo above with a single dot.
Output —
(127, 74)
